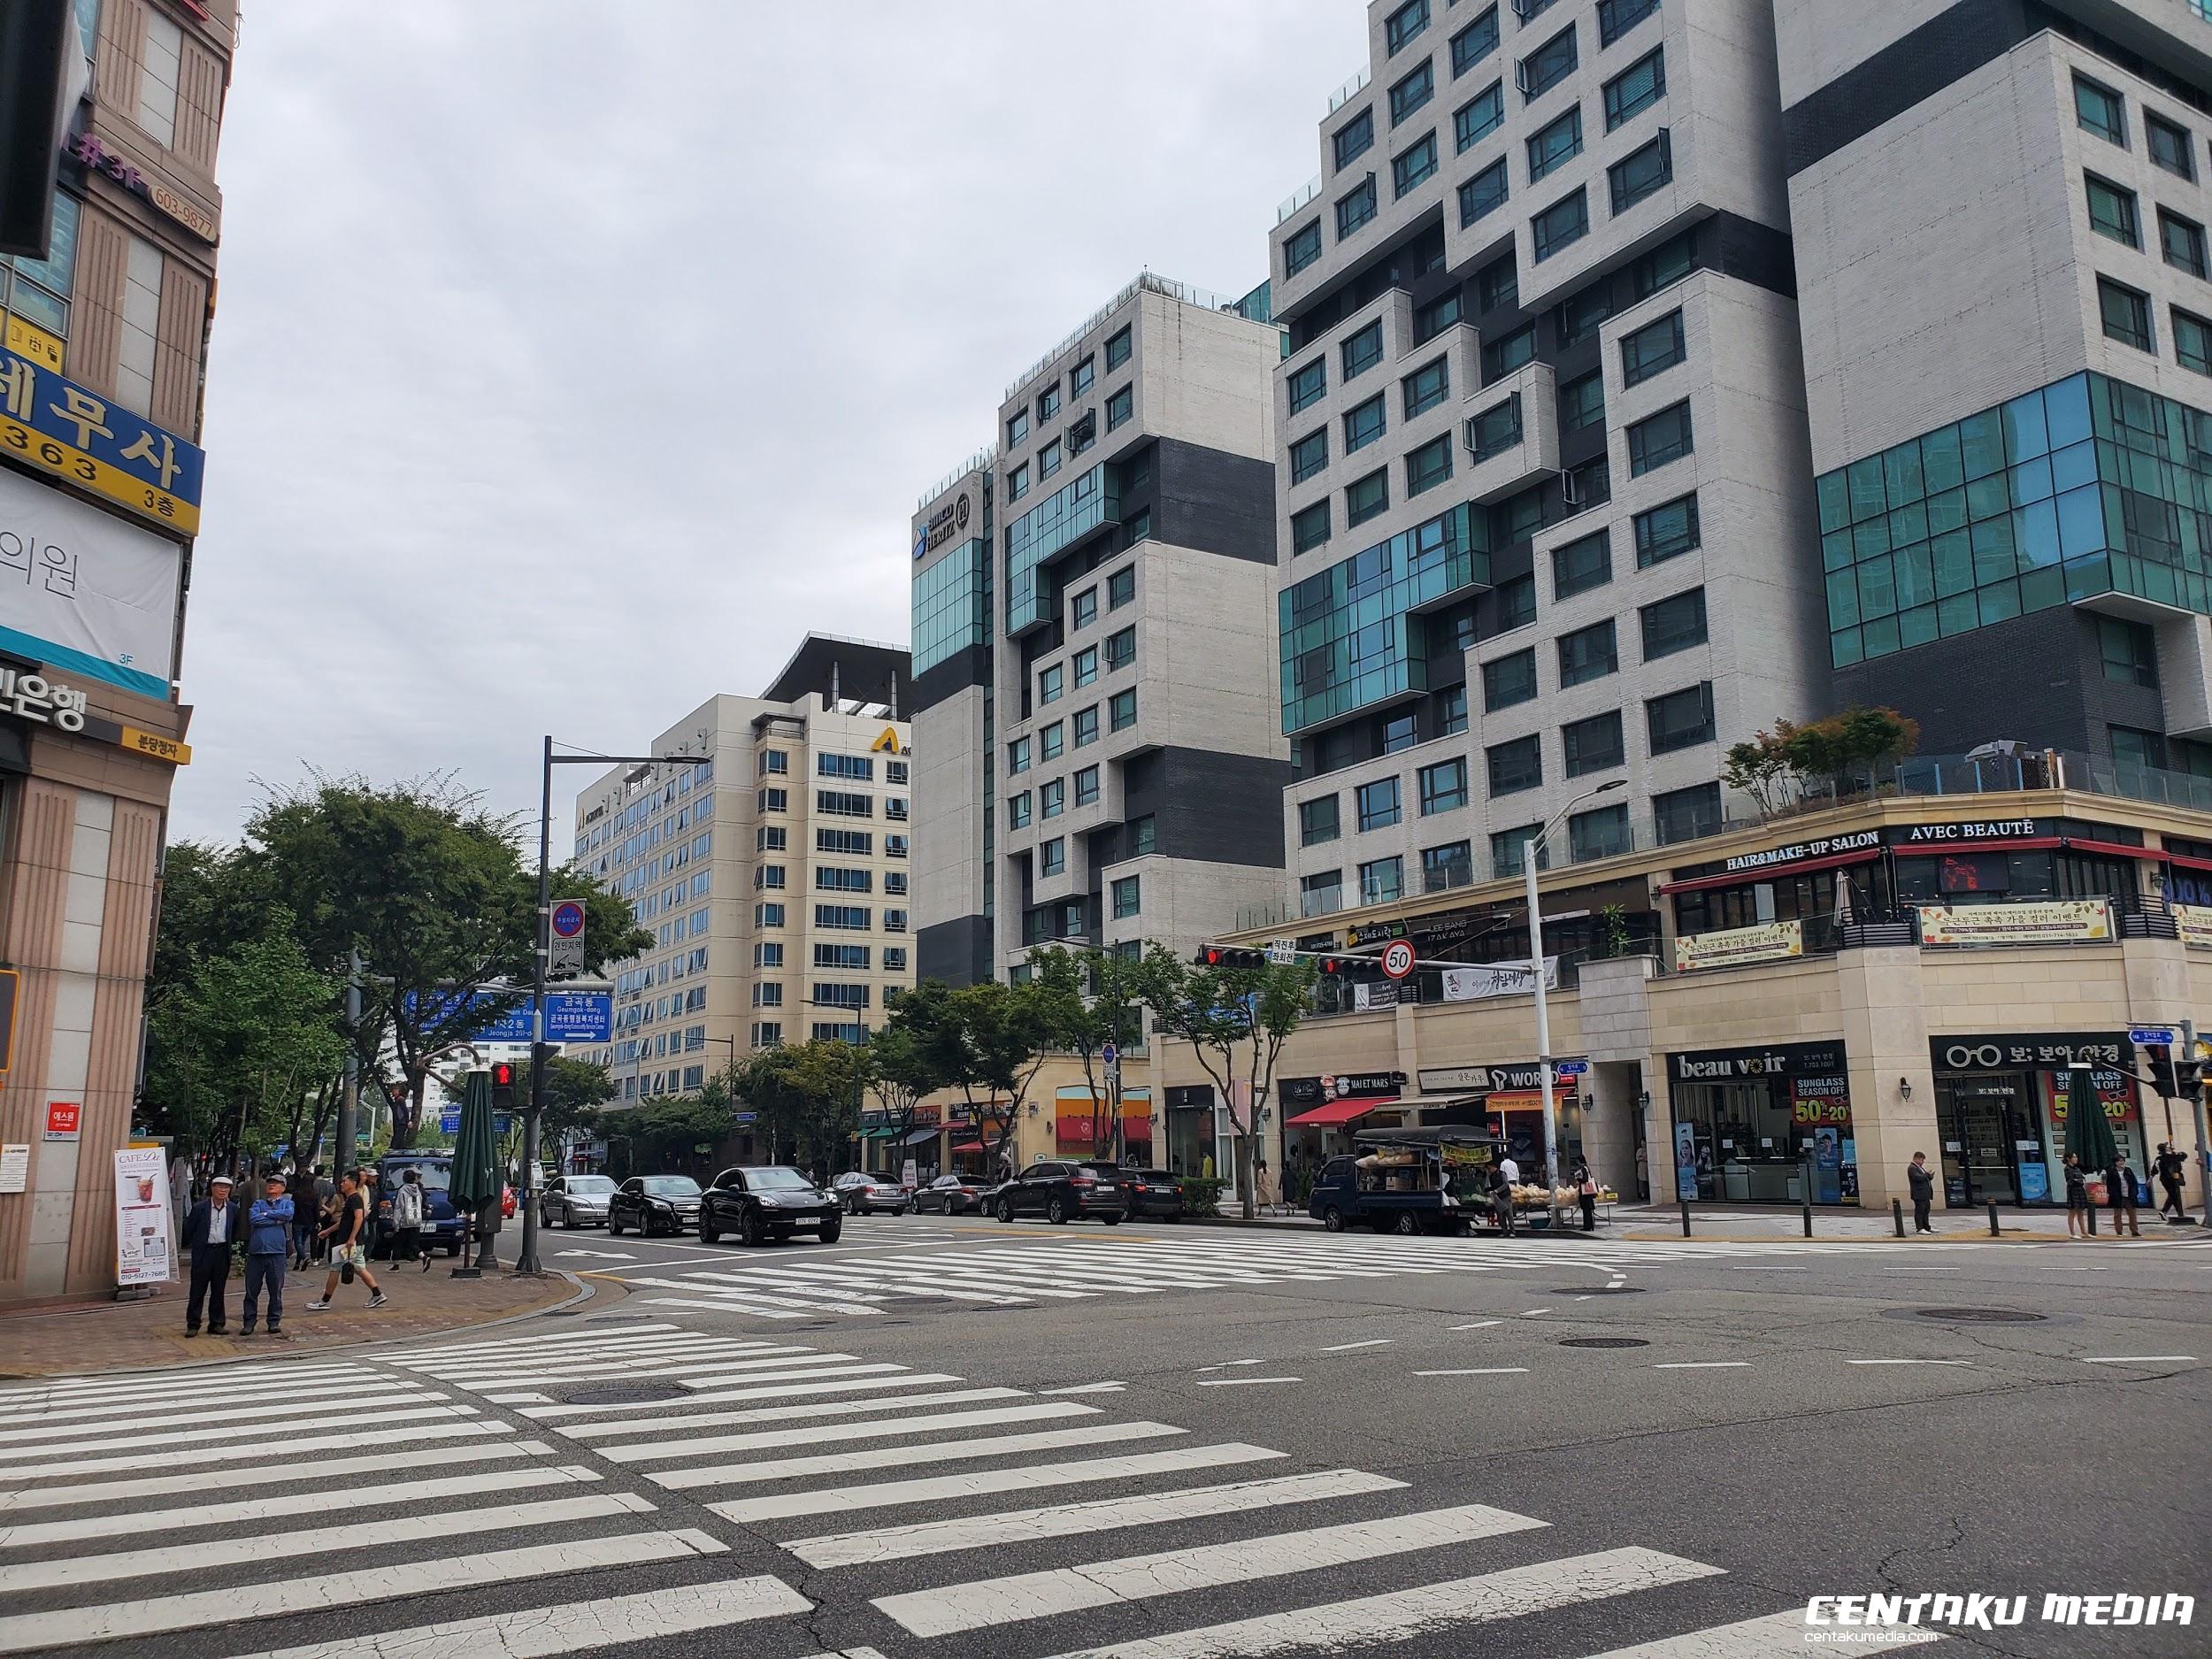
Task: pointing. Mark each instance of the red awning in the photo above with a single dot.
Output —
(1337, 1113)
(968, 1146)
(2114, 850)
(2186, 862)
(1745, 878)
(1947, 850)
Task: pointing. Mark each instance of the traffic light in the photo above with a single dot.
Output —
(1223, 956)
(503, 1086)
(1351, 970)
(2163, 1075)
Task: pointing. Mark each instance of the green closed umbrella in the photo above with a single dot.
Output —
(475, 1176)
(2088, 1134)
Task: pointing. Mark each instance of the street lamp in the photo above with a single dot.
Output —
(1530, 851)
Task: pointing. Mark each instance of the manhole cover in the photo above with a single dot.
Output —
(1604, 1341)
(1596, 1290)
(1979, 1316)
(632, 1394)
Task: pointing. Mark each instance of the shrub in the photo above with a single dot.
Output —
(1201, 1194)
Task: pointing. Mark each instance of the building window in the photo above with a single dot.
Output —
(1362, 350)
(1672, 624)
(1017, 810)
(1680, 718)
(772, 761)
(1364, 424)
(1565, 222)
(1508, 681)
(1587, 654)
(1048, 459)
(2112, 210)
(843, 803)
(1443, 868)
(1426, 387)
(1429, 465)
(1086, 665)
(1517, 603)
(1120, 407)
(1121, 587)
(1379, 806)
(766, 840)
(1498, 285)
(894, 959)
(1310, 528)
(1354, 210)
(1318, 821)
(768, 954)
(894, 921)
(1548, 65)
(851, 958)
(858, 768)
(1052, 857)
(1413, 168)
(767, 1032)
(1635, 89)
(2170, 146)
(1664, 266)
(1665, 530)
(2182, 239)
(1581, 565)
(2192, 341)
(1554, 144)
(1475, 42)
(1301, 248)
(768, 915)
(1657, 346)
(1018, 482)
(1682, 815)
(1321, 895)
(2132, 747)
(1451, 712)
(1052, 798)
(1659, 439)
(1496, 429)
(1367, 498)
(1354, 138)
(1443, 786)
(2126, 313)
(773, 801)
(1128, 898)
(1516, 765)
(1017, 427)
(770, 995)
(1382, 880)
(1508, 352)
(1435, 318)
(1508, 848)
(1641, 173)
(1049, 682)
(160, 67)
(1405, 24)
(1143, 836)
(1121, 648)
(1087, 786)
(1411, 94)
(1086, 724)
(1047, 404)
(1117, 349)
(1601, 832)
(1616, 17)
(1484, 193)
(1051, 741)
(1309, 384)
(1081, 376)
(1121, 711)
(1083, 609)
(1582, 402)
(2100, 111)
(140, 327)
(1018, 757)
(1593, 745)
(2129, 651)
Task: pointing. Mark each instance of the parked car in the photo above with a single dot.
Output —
(763, 1202)
(864, 1195)
(1062, 1192)
(442, 1224)
(575, 1201)
(1154, 1193)
(655, 1204)
(954, 1194)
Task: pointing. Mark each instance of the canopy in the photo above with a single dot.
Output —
(2088, 1134)
(1435, 1135)
(1337, 1113)
(920, 1135)
(969, 1145)
(474, 1177)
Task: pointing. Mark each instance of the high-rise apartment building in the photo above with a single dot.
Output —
(2000, 209)
(1101, 759)
(101, 366)
(1544, 520)
(770, 858)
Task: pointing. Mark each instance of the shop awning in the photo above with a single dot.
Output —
(1745, 878)
(2185, 861)
(2114, 849)
(877, 1134)
(920, 1135)
(1336, 1113)
(1948, 849)
(969, 1145)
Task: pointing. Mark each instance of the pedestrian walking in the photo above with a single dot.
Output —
(1922, 1181)
(306, 1210)
(408, 1205)
(2077, 1197)
(2120, 1188)
(348, 1258)
(1502, 1198)
(1588, 1189)
(376, 1205)
(268, 1247)
(2168, 1166)
(211, 1233)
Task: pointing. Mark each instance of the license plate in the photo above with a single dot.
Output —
(1109, 1189)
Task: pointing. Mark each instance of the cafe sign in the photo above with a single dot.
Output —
(1731, 947)
(2029, 922)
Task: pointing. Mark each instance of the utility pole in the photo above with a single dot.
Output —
(350, 1096)
(541, 944)
(2196, 1108)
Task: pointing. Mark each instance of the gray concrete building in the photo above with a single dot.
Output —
(1544, 520)
(1101, 757)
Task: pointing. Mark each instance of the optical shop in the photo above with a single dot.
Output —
(1746, 1120)
(2001, 1111)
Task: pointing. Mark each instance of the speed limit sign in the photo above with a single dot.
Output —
(1397, 959)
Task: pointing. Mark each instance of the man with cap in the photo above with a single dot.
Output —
(268, 1247)
(211, 1233)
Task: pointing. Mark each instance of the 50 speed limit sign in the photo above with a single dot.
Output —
(1397, 959)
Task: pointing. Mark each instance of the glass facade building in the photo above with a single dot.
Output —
(952, 604)
(2088, 486)
(1054, 524)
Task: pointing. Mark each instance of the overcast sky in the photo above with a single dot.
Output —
(566, 371)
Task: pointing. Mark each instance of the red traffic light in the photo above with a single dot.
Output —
(503, 1074)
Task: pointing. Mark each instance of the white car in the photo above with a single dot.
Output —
(864, 1195)
(575, 1201)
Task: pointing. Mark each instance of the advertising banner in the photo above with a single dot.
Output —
(54, 424)
(143, 1230)
(1767, 941)
(2032, 922)
(2195, 922)
(83, 592)
(1497, 978)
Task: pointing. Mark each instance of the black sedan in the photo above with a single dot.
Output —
(954, 1194)
(1153, 1193)
(654, 1203)
(763, 1202)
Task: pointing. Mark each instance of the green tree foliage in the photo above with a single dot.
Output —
(574, 1091)
(1090, 998)
(805, 1098)
(1774, 767)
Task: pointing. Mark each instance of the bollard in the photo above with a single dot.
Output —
(1685, 1217)
(1805, 1192)
(1897, 1214)
(1992, 1222)
(2092, 1213)
(1809, 1217)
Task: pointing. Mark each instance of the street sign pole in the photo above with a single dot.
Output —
(529, 1263)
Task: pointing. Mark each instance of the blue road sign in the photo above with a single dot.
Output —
(570, 1017)
(449, 1123)
(2153, 1036)
(1569, 1068)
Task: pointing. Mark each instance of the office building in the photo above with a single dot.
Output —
(770, 858)
(1101, 757)
(101, 367)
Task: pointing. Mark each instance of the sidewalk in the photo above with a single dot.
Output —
(135, 1335)
(1661, 1224)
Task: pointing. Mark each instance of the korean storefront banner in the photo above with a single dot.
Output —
(83, 592)
(1497, 978)
(2195, 922)
(1767, 941)
(60, 427)
(143, 1230)
(2032, 922)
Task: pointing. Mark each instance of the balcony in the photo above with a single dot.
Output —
(1513, 435)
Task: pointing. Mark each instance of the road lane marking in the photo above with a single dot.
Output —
(894, 1457)
(1486, 1371)
(1703, 1364)
(1908, 1361)
(1087, 1388)
(1346, 1347)
(782, 1414)
(1532, 1312)
(829, 1433)
(2141, 1359)
(1754, 1639)
(1480, 1324)
(282, 1474)
(1243, 1382)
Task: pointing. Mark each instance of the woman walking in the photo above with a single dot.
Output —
(2077, 1197)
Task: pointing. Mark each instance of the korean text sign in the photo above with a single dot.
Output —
(61, 427)
(84, 592)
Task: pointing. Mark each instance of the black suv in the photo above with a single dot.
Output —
(763, 1202)
(1062, 1192)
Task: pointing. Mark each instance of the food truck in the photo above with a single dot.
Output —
(1408, 1180)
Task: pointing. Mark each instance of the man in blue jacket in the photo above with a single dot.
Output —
(268, 1247)
(211, 1233)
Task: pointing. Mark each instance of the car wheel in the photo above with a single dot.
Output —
(1006, 1210)
(708, 1232)
(452, 1250)
(1333, 1219)
(1408, 1223)
(1112, 1221)
(1056, 1212)
(832, 1227)
(752, 1232)
(614, 1227)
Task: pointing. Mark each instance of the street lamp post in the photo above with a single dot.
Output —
(1530, 854)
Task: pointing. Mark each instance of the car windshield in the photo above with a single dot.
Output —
(1152, 1175)
(1104, 1172)
(587, 1184)
(672, 1186)
(433, 1175)
(777, 1180)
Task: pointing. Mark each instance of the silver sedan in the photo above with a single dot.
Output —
(575, 1201)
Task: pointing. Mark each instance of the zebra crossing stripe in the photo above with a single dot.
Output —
(1755, 1639)
(823, 1435)
(661, 1360)
(582, 1346)
(1401, 1615)
(725, 1304)
(162, 1486)
(945, 1609)
(784, 1414)
(321, 1540)
(230, 1431)
(191, 1379)
(17, 1497)
(895, 1456)
(848, 1379)
(373, 1391)
(66, 1627)
(121, 1405)
(1021, 1526)
(883, 1494)
(538, 1632)
(553, 1340)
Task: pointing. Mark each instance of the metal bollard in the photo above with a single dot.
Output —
(2092, 1213)
(1897, 1215)
(1992, 1222)
(1685, 1217)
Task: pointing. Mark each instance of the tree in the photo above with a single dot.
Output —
(900, 1068)
(1006, 1031)
(574, 1090)
(805, 1096)
(1091, 997)
(1761, 767)
(1236, 1020)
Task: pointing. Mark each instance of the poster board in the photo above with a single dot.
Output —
(144, 1230)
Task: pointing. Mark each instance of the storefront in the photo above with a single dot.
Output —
(1748, 1123)
(1083, 1124)
(1321, 1113)
(2001, 1111)
(1507, 1099)
(1189, 1129)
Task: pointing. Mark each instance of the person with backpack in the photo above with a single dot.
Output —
(408, 1207)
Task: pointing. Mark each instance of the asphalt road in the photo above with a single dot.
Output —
(953, 1438)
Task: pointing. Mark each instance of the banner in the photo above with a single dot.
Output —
(143, 1230)
(1497, 978)
(2195, 922)
(2032, 922)
(1768, 942)
(84, 592)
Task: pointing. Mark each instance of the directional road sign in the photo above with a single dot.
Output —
(2153, 1036)
(1571, 1068)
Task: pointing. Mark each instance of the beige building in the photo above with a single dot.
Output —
(770, 858)
(101, 366)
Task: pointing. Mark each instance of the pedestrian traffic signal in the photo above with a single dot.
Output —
(503, 1086)
(1223, 956)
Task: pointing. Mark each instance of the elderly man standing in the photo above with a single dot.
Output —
(211, 1233)
(268, 1249)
